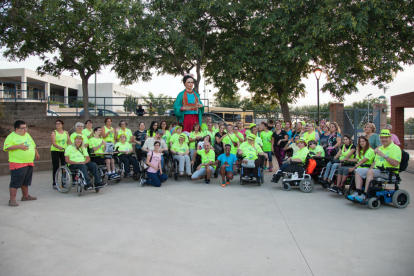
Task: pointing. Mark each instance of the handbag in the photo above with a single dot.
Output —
(249, 165)
(145, 164)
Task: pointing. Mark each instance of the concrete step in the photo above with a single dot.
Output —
(44, 153)
(41, 165)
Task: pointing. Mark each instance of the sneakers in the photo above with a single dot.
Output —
(127, 175)
(99, 185)
(352, 197)
(207, 182)
(142, 183)
(223, 184)
(265, 168)
(360, 198)
(270, 169)
(227, 182)
(55, 187)
(339, 192)
(254, 178)
(333, 189)
(89, 187)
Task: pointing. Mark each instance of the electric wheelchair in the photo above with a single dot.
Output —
(65, 178)
(246, 174)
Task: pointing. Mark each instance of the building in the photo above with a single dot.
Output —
(23, 84)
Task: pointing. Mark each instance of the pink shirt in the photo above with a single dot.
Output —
(395, 140)
(243, 131)
(156, 159)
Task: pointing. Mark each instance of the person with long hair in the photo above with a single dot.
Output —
(166, 131)
(122, 129)
(139, 138)
(364, 156)
(335, 139)
(60, 139)
(267, 136)
(279, 140)
(108, 132)
(152, 129)
(195, 135)
(345, 153)
(188, 107)
(154, 172)
(311, 134)
(324, 137)
(299, 130)
(88, 131)
(220, 135)
(373, 138)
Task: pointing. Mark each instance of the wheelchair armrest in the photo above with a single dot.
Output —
(335, 161)
(296, 163)
(348, 164)
(318, 157)
(366, 165)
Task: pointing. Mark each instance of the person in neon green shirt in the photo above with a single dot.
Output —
(88, 131)
(152, 129)
(248, 131)
(22, 152)
(60, 139)
(77, 158)
(388, 155)
(178, 130)
(315, 149)
(299, 156)
(125, 156)
(310, 134)
(231, 139)
(180, 151)
(208, 164)
(250, 152)
(122, 129)
(167, 134)
(78, 131)
(266, 136)
(205, 126)
(108, 132)
(195, 135)
(255, 131)
(211, 131)
(98, 145)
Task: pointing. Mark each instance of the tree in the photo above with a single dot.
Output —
(77, 33)
(173, 38)
(271, 45)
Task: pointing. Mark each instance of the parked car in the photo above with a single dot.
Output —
(215, 118)
(50, 112)
(99, 112)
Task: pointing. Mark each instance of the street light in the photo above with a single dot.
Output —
(368, 105)
(318, 73)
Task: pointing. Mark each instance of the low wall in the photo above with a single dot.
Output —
(409, 144)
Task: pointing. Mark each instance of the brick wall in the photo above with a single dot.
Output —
(398, 103)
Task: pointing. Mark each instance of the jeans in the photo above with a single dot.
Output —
(138, 153)
(56, 157)
(330, 169)
(269, 156)
(155, 179)
(201, 172)
(129, 161)
(84, 169)
(181, 160)
(282, 169)
(280, 155)
(191, 154)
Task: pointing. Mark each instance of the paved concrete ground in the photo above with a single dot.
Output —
(187, 228)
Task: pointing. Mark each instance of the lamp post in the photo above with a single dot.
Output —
(368, 105)
(318, 73)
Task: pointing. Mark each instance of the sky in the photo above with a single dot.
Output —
(168, 85)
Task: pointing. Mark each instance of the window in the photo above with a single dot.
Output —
(249, 119)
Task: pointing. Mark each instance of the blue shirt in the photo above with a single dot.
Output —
(230, 160)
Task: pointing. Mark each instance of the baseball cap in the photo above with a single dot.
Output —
(79, 136)
(251, 136)
(301, 140)
(160, 132)
(385, 133)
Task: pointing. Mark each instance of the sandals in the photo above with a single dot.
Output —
(28, 198)
(12, 202)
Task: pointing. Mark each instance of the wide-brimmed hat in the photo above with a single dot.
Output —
(79, 136)
(182, 136)
(251, 136)
(302, 140)
(385, 133)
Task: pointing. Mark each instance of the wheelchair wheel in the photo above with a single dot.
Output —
(286, 186)
(262, 176)
(374, 203)
(401, 199)
(259, 181)
(306, 185)
(91, 178)
(216, 173)
(241, 180)
(97, 190)
(63, 179)
(175, 176)
(79, 188)
(118, 180)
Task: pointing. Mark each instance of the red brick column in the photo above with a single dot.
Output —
(337, 115)
(398, 103)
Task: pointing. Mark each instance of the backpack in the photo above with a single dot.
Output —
(405, 157)
(311, 166)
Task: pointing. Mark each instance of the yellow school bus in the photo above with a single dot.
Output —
(231, 115)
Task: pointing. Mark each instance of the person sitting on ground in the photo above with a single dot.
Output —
(60, 139)
(387, 156)
(211, 131)
(78, 131)
(394, 138)
(22, 152)
(180, 152)
(98, 145)
(154, 172)
(77, 157)
(125, 156)
(364, 156)
(149, 145)
(195, 135)
(122, 129)
(227, 160)
(250, 151)
(207, 166)
(345, 153)
(299, 156)
(176, 136)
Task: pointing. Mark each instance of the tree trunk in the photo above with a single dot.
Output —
(285, 107)
(85, 97)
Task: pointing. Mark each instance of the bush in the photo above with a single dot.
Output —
(80, 104)
(61, 105)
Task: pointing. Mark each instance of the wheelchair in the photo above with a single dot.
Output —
(249, 173)
(377, 193)
(295, 175)
(119, 167)
(66, 178)
(175, 165)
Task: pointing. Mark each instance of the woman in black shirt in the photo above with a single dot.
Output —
(139, 136)
(279, 139)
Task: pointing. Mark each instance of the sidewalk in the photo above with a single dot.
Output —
(188, 228)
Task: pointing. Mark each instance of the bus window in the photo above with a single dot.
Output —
(249, 119)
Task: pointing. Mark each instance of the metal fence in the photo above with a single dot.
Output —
(408, 132)
(12, 91)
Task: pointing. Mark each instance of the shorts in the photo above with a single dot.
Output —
(22, 176)
(269, 155)
(377, 173)
(202, 172)
(99, 160)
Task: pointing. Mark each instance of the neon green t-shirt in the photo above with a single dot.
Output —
(18, 155)
(369, 154)
(86, 132)
(393, 151)
(212, 135)
(111, 137)
(205, 127)
(94, 142)
(250, 152)
(179, 148)
(175, 138)
(60, 140)
(123, 147)
(267, 140)
(127, 132)
(344, 152)
(167, 137)
(230, 140)
(309, 136)
(76, 155)
(207, 157)
(301, 154)
(193, 135)
(73, 135)
(317, 150)
(153, 133)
